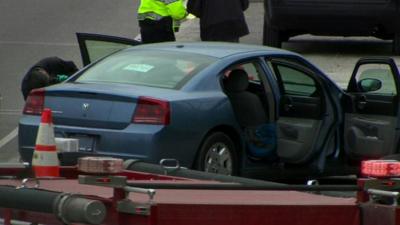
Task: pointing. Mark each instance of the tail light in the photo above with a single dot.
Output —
(35, 102)
(151, 111)
(380, 168)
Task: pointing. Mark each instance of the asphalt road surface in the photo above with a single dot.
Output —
(33, 29)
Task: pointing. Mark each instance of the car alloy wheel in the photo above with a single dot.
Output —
(218, 159)
(218, 155)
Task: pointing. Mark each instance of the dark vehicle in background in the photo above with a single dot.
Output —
(287, 18)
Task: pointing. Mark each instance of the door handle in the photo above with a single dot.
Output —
(361, 104)
(288, 107)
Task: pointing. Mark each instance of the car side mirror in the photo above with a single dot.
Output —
(369, 84)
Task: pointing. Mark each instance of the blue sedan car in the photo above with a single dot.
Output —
(218, 107)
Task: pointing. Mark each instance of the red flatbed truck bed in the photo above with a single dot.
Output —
(223, 206)
(205, 207)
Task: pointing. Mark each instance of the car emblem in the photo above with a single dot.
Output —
(85, 107)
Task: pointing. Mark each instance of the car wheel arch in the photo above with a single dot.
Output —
(232, 133)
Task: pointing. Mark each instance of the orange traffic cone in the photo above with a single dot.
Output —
(45, 161)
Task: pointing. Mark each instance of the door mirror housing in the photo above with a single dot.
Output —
(369, 84)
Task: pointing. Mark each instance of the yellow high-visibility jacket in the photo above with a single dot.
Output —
(157, 9)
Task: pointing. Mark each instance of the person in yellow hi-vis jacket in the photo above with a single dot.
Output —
(156, 19)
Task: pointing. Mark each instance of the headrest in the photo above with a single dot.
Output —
(237, 81)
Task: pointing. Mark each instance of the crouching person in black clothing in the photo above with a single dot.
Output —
(47, 71)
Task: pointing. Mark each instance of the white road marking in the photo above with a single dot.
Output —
(9, 137)
(35, 43)
(16, 222)
(10, 112)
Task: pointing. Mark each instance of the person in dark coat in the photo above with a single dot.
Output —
(48, 71)
(220, 20)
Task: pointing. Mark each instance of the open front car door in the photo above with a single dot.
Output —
(371, 128)
(96, 46)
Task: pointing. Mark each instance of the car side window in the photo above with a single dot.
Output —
(251, 68)
(99, 49)
(293, 80)
(252, 71)
(296, 82)
(376, 72)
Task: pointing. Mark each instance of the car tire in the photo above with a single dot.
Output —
(271, 37)
(396, 43)
(218, 154)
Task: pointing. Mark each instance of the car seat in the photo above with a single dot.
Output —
(247, 106)
(248, 109)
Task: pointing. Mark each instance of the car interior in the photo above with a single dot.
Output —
(292, 134)
(249, 104)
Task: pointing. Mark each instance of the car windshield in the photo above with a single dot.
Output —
(163, 69)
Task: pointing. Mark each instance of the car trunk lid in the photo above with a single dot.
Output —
(93, 105)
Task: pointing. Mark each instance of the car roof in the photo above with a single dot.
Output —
(213, 49)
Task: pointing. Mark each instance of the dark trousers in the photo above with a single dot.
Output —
(156, 31)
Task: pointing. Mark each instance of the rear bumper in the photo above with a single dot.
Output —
(149, 143)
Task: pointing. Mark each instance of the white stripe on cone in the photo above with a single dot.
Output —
(45, 158)
(45, 135)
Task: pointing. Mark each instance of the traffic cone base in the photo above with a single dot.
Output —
(46, 171)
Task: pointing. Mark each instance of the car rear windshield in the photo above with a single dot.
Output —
(163, 69)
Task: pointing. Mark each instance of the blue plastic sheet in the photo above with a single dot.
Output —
(261, 141)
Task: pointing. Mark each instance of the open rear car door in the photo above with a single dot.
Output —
(96, 46)
(371, 127)
(306, 114)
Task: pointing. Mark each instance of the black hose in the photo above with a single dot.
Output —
(66, 207)
(136, 165)
(27, 199)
